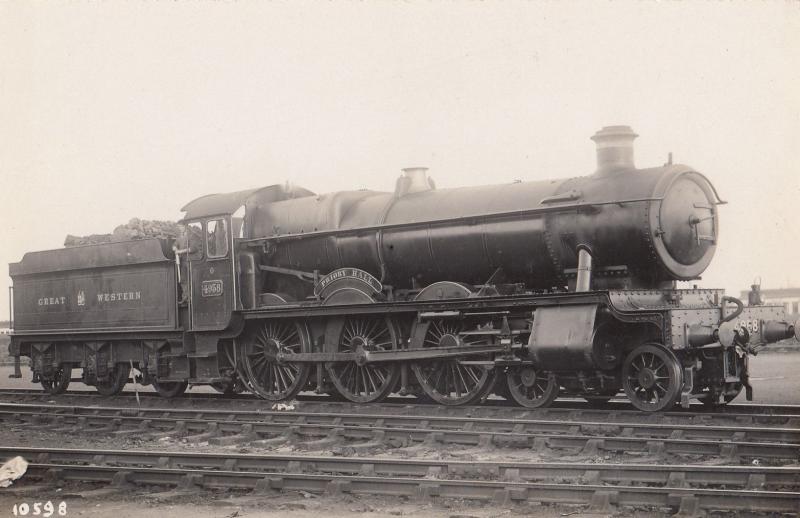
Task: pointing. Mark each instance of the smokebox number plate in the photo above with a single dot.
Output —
(211, 288)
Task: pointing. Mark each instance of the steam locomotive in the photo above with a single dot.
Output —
(525, 290)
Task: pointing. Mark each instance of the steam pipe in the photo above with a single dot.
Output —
(584, 280)
(739, 308)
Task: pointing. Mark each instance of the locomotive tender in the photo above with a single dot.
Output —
(523, 289)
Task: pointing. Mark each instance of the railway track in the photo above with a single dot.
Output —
(368, 432)
(689, 489)
(753, 456)
(738, 414)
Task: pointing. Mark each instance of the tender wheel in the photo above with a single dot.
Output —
(60, 381)
(267, 376)
(448, 381)
(532, 387)
(371, 381)
(652, 377)
(116, 380)
(170, 389)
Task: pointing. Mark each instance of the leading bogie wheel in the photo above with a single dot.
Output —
(532, 387)
(266, 373)
(364, 382)
(60, 381)
(652, 377)
(117, 379)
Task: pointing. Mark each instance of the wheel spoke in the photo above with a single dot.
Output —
(452, 371)
(284, 377)
(460, 371)
(268, 373)
(371, 378)
(437, 383)
(475, 378)
(380, 373)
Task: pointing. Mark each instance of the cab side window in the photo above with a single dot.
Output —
(216, 238)
(194, 239)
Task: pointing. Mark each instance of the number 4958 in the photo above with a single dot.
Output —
(45, 509)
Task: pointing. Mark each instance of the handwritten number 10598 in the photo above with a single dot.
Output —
(45, 509)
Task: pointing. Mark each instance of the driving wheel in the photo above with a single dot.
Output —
(451, 381)
(356, 380)
(266, 374)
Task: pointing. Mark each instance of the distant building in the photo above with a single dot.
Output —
(789, 298)
(4, 330)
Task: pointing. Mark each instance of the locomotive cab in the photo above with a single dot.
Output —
(212, 289)
(222, 278)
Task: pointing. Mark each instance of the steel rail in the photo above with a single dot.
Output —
(316, 431)
(601, 497)
(743, 477)
(563, 409)
(433, 423)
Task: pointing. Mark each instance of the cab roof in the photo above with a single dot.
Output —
(228, 203)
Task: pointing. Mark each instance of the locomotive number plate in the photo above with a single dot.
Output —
(211, 288)
(750, 325)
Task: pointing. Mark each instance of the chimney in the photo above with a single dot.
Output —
(414, 179)
(614, 149)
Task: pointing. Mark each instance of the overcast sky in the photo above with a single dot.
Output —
(113, 110)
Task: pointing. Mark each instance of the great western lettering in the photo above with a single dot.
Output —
(52, 301)
(119, 296)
